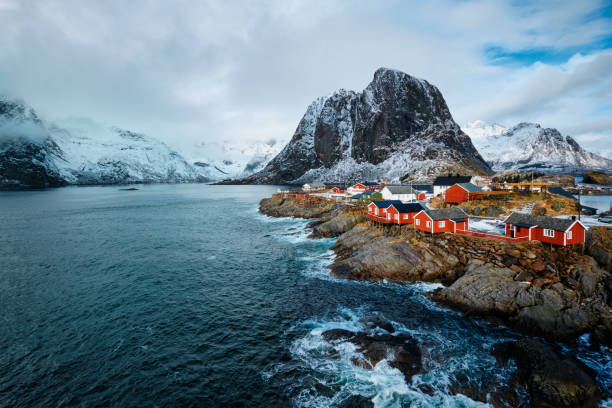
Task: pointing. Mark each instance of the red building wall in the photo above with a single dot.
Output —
(537, 234)
(423, 218)
(455, 194)
(401, 220)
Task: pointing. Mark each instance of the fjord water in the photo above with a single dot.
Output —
(184, 295)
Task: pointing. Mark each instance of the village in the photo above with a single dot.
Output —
(442, 207)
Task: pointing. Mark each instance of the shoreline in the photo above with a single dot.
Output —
(552, 292)
(533, 299)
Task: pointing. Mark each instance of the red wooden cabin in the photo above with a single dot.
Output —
(444, 220)
(557, 231)
(460, 192)
(301, 196)
(403, 213)
(378, 210)
(338, 190)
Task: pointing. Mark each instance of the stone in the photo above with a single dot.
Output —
(553, 379)
(516, 268)
(538, 266)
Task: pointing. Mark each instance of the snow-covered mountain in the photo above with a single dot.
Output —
(227, 159)
(398, 126)
(529, 146)
(480, 129)
(35, 153)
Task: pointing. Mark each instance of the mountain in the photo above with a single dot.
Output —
(37, 154)
(528, 146)
(398, 126)
(479, 129)
(226, 159)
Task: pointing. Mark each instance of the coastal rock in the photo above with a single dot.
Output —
(554, 379)
(402, 351)
(337, 225)
(483, 289)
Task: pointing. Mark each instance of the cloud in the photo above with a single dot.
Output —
(188, 71)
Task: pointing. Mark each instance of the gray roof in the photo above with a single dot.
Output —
(541, 221)
(469, 187)
(385, 204)
(451, 180)
(423, 187)
(408, 208)
(405, 189)
(446, 213)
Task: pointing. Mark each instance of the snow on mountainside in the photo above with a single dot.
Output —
(529, 146)
(36, 154)
(399, 125)
(222, 160)
(479, 129)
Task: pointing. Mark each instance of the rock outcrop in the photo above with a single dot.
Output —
(552, 292)
(399, 124)
(597, 177)
(552, 378)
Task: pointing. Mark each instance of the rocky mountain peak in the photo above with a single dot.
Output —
(397, 125)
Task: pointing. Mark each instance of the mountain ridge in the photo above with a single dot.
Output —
(529, 146)
(397, 125)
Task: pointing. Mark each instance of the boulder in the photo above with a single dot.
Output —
(554, 379)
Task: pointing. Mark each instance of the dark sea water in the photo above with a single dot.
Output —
(183, 295)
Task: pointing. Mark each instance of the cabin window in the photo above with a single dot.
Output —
(549, 233)
(417, 222)
(376, 210)
(405, 216)
(569, 234)
(441, 224)
(388, 216)
(428, 224)
(396, 217)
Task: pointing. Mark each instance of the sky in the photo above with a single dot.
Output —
(188, 72)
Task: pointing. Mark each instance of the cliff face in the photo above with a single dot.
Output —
(398, 125)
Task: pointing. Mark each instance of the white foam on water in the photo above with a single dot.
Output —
(330, 365)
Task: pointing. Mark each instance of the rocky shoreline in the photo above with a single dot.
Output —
(552, 292)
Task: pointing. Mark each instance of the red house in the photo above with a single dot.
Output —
(363, 187)
(460, 192)
(338, 190)
(557, 231)
(444, 220)
(378, 210)
(403, 213)
(301, 196)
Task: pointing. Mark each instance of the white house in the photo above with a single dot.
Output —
(441, 183)
(402, 193)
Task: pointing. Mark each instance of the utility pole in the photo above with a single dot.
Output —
(579, 203)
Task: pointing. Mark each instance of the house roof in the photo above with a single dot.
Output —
(541, 221)
(451, 180)
(428, 188)
(561, 191)
(446, 213)
(403, 189)
(469, 187)
(408, 208)
(357, 196)
(386, 203)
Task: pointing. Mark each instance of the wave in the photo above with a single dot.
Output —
(324, 374)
